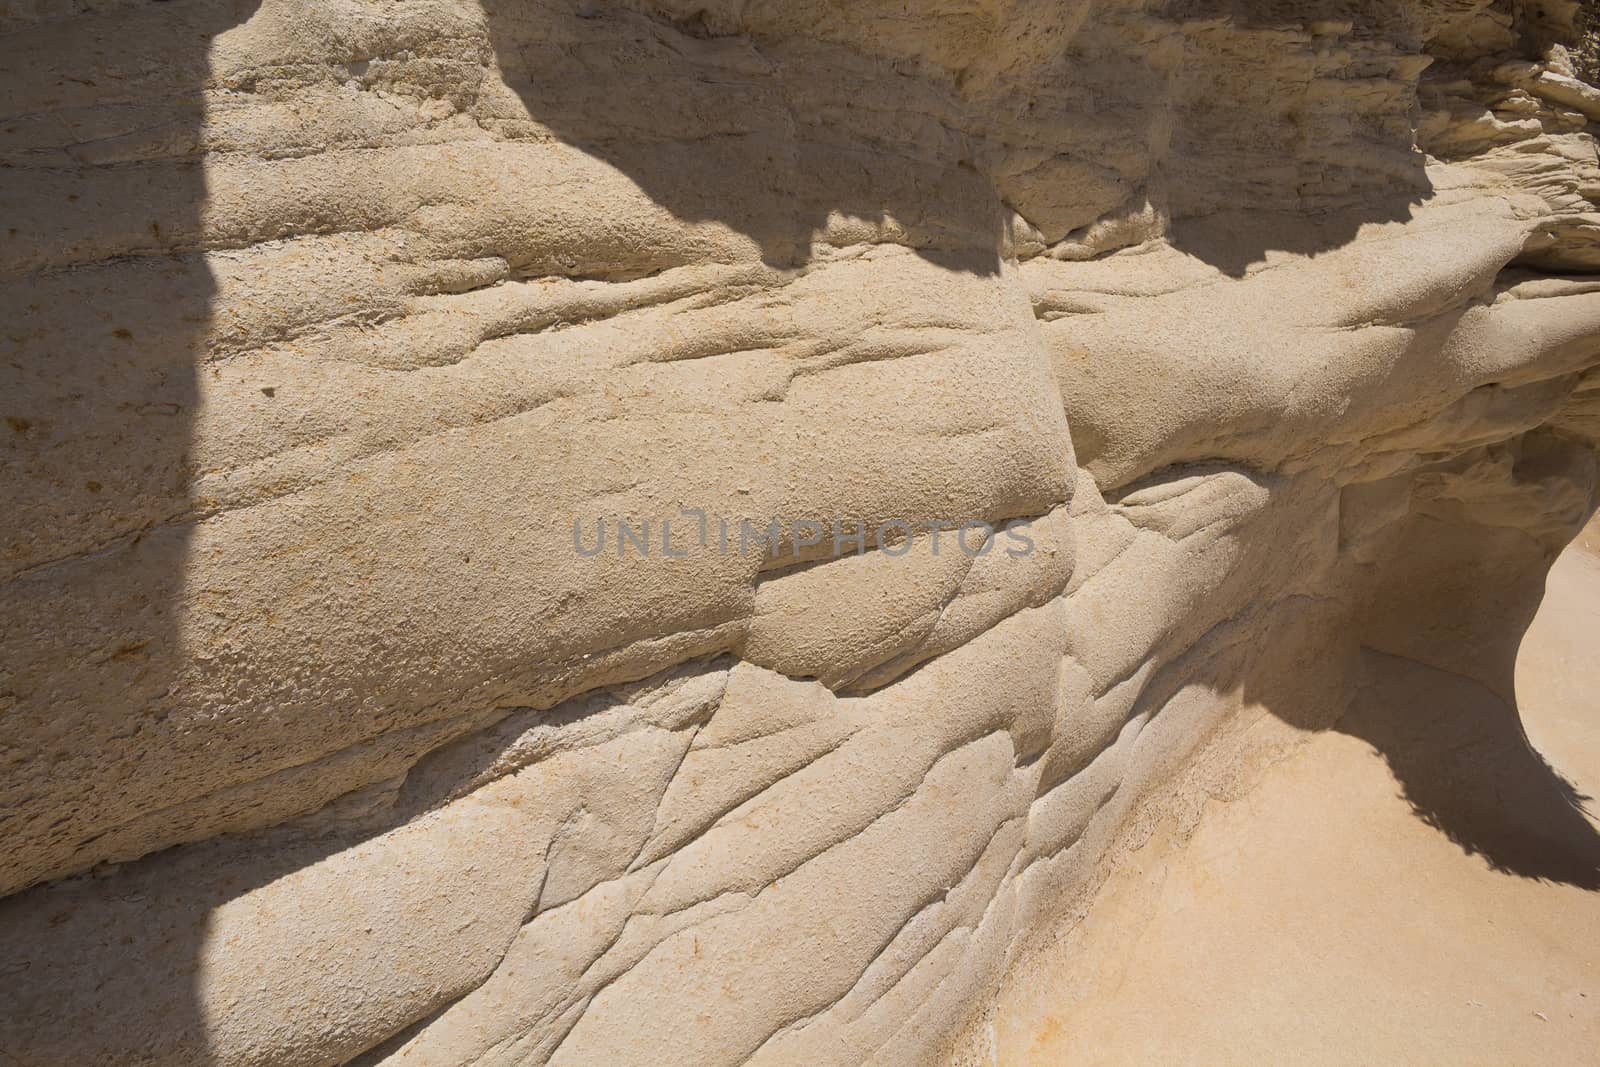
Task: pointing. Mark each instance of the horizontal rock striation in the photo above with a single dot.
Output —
(1247, 338)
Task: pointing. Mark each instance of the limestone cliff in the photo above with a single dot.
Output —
(339, 334)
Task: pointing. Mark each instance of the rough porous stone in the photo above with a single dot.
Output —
(322, 739)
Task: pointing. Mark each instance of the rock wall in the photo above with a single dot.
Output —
(1247, 338)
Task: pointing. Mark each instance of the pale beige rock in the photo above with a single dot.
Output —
(322, 740)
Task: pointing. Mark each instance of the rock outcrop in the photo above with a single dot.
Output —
(1231, 342)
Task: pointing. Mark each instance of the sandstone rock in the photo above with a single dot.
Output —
(336, 333)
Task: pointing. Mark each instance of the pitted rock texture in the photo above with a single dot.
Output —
(324, 740)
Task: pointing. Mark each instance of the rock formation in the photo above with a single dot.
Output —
(1248, 339)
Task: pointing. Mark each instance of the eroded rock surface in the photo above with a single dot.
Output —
(322, 739)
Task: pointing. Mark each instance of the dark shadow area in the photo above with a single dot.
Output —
(1423, 671)
(93, 956)
(1456, 748)
(773, 138)
(768, 140)
(1467, 769)
(109, 969)
(1454, 589)
(105, 308)
(1235, 241)
(1299, 154)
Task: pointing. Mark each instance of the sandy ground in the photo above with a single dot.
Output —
(1421, 888)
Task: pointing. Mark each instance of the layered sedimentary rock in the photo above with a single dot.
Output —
(339, 335)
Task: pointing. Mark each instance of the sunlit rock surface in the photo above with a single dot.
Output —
(336, 332)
